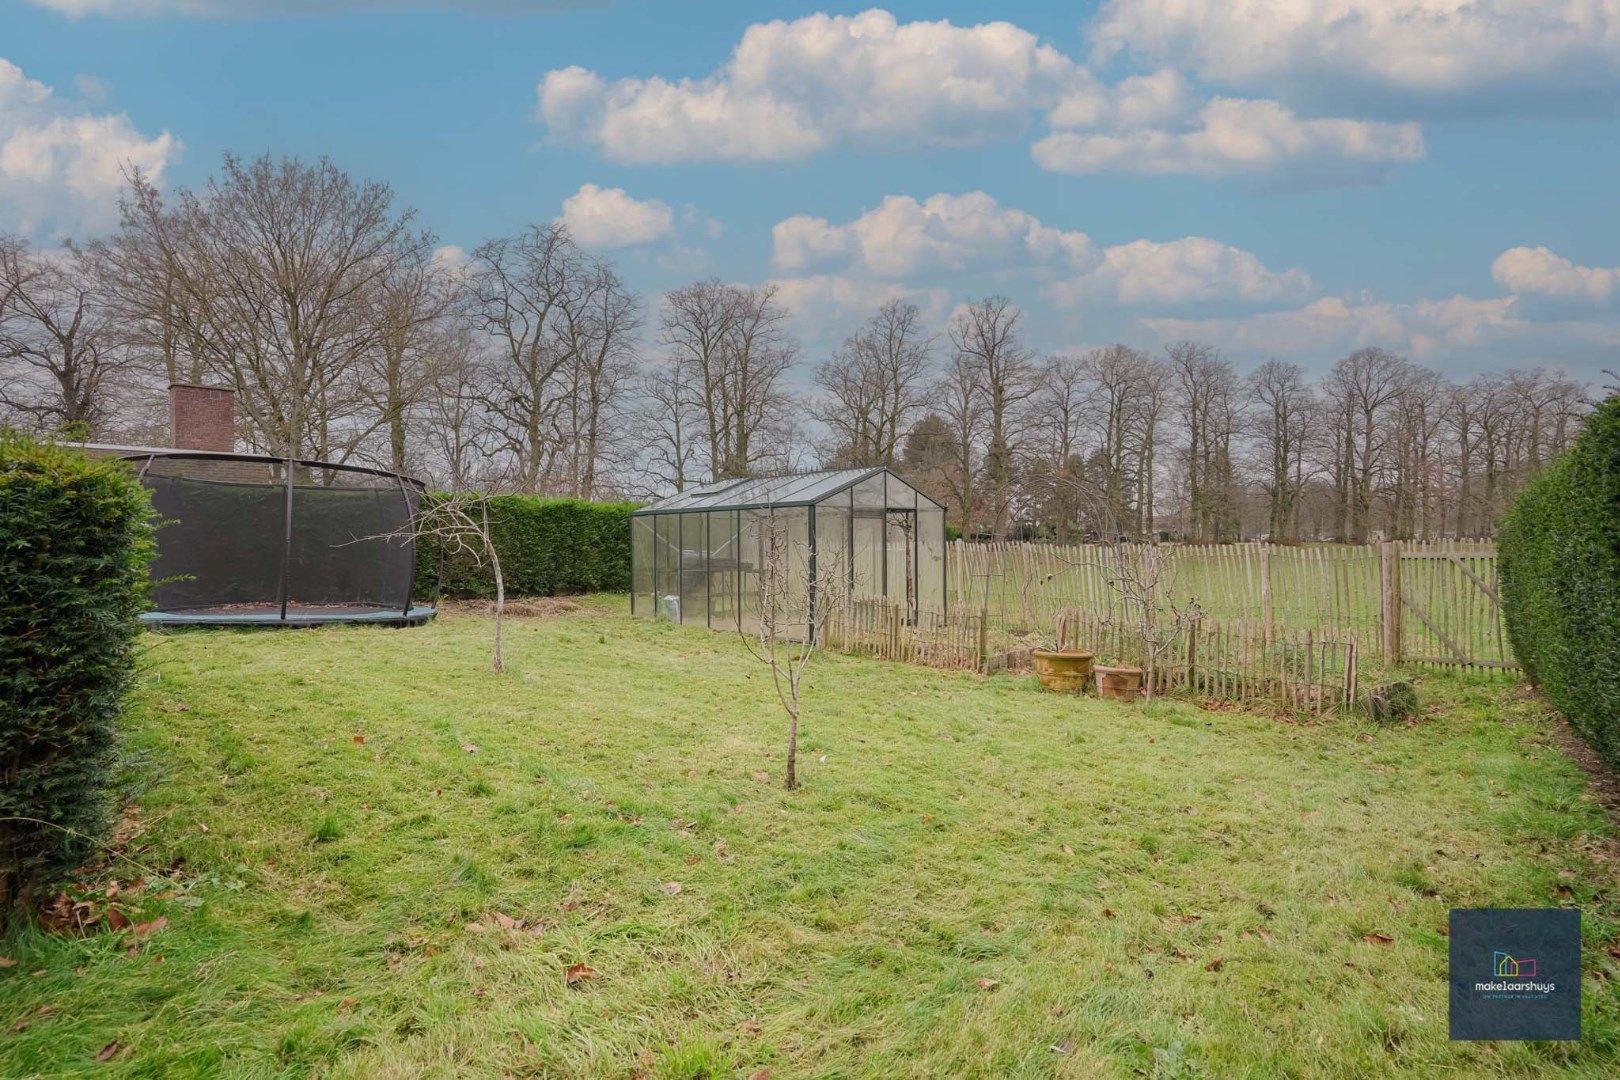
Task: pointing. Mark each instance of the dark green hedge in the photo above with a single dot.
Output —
(547, 547)
(75, 546)
(1559, 553)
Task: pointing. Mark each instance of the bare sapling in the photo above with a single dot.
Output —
(795, 602)
(459, 525)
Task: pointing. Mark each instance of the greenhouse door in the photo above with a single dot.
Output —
(900, 566)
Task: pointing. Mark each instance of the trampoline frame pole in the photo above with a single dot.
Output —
(286, 539)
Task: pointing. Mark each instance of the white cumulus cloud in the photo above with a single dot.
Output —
(1542, 272)
(1425, 329)
(1223, 137)
(602, 217)
(792, 88)
(62, 168)
(1191, 269)
(942, 233)
(1404, 51)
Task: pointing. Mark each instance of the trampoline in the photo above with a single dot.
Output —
(246, 540)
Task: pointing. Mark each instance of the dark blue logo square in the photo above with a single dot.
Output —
(1515, 973)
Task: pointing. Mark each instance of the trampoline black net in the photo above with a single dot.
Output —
(238, 543)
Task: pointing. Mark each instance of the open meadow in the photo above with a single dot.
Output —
(377, 858)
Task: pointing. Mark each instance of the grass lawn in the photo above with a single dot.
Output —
(976, 879)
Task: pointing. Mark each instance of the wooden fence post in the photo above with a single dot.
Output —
(984, 641)
(1265, 591)
(1389, 568)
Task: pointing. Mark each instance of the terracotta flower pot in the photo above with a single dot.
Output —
(1067, 671)
(1119, 683)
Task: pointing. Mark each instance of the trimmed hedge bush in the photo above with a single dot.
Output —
(547, 547)
(75, 547)
(1559, 553)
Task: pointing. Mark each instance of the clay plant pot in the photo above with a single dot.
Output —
(1067, 671)
(1119, 683)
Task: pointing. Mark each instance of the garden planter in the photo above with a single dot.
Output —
(1066, 670)
(1119, 683)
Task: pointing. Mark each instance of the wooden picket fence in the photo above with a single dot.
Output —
(1433, 602)
(1230, 660)
(887, 631)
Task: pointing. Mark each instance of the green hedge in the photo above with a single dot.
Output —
(75, 547)
(1559, 552)
(547, 547)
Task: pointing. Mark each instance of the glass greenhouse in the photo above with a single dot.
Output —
(696, 557)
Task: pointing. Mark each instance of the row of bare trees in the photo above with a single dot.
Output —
(528, 363)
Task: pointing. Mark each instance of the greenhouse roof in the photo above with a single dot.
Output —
(789, 489)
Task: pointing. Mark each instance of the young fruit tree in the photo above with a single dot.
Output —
(797, 594)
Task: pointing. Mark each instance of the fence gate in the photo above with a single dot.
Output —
(1442, 606)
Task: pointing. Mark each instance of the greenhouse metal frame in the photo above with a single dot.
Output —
(696, 556)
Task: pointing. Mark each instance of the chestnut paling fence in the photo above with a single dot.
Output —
(1431, 602)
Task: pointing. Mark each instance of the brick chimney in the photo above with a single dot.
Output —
(202, 417)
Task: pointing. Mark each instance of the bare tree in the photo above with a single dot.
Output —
(958, 400)
(521, 288)
(1364, 385)
(733, 343)
(874, 385)
(670, 419)
(600, 324)
(794, 607)
(1284, 417)
(58, 351)
(987, 341)
(410, 303)
(267, 278)
(1206, 415)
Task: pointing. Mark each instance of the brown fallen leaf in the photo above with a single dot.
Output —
(578, 973)
(1215, 964)
(506, 921)
(1378, 939)
(471, 748)
(1067, 850)
(1108, 913)
(760, 1074)
(693, 860)
(673, 888)
(988, 984)
(347, 1003)
(147, 928)
(750, 1026)
(108, 1051)
(202, 826)
(7, 962)
(116, 919)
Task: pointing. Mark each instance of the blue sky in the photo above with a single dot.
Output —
(1256, 173)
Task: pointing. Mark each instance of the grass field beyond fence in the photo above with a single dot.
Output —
(376, 858)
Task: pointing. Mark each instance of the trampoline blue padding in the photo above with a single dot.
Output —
(244, 615)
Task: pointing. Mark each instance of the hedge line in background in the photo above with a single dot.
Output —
(75, 546)
(547, 547)
(1559, 554)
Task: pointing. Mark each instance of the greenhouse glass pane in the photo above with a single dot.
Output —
(722, 569)
(832, 546)
(641, 580)
(666, 566)
(931, 560)
(749, 556)
(694, 570)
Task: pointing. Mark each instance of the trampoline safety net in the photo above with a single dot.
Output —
(228, 550)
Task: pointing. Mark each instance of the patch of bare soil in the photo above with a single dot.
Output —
(532, 607)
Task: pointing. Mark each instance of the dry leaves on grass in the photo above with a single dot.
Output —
(578, 973)
(107, 1052)
(988, 984)
(1378, 939)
